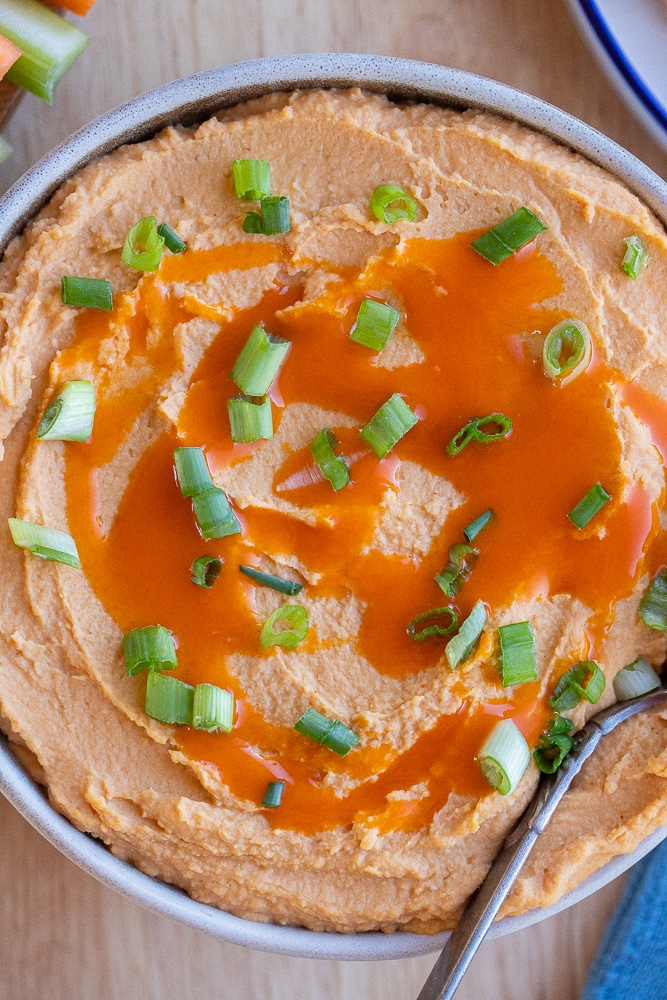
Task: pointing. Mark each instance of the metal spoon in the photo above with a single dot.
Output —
(484, 905)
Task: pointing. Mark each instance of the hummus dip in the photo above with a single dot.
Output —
(398, 832)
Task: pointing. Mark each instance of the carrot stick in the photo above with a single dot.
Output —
(76, 6)
(9, 53)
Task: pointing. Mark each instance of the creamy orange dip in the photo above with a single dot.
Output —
(397, 833)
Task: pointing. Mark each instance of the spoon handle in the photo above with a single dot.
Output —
(484, 905)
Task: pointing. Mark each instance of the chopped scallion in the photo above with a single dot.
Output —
(554, 745)
(386, 428)
(192, 471)
(583, 680)
(70, 416)
(635, 257)
(88, 293)
(567, 351)
(150, 646)
(514, 232)
(375, 324)
(168, 699)
(484, 430)
(653, 605)
(49, 45)
(172, 240)
(289, 587)
(504, 757)
(259, 361)
(462, 559)
(273, 795)
(252, 179)
(250, 418)
(332, 734)
(205, 571)
(333, 467)
(274, 217)
(390, 203)
(589, 506)
(212, 709)
(46, 543)
(287, 626)
(461, 646)
(517, 654)
(472, 530)
(438, 621)
(215, 517)
(637, 679)
(143, 245)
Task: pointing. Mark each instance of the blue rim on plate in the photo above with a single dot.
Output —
(625, 71)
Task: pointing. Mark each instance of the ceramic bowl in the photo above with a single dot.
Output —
(187, 101)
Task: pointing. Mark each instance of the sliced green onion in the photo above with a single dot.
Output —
(555, 744)
(332, 734)
(340, 739)
(215, 517)
(89, 293)
(375, 324)
(212, 709)
(192, 471)
(250, 418)
(508, 236)
(274, 218)
(583, 680)
(461, 646)
(333, 467)
(70, 416)
(273, 795)
(517, 654)
(635, 680)
(567, 350)
(504, 757)
(635, 257)
(48, 42)
(259, 361)
(314, 725)
(151, 646)
(172, 240)
(499, 427)
(143, 245)
(438, 621)
(205, 571)
(252, 223)
(289, 587)
(252, 179)
(589, 506)
(473, 529)
(653, 605)
(168, 699)
(390, 203)
(386, 428)
(47, 543)
(462, 559)
(287, 626)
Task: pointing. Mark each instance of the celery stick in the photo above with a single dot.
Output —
(48, 42)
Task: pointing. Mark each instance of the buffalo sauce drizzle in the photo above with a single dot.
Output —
(474, 329)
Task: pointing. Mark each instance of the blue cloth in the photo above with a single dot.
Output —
(631, 963)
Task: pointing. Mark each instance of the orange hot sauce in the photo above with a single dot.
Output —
(472, 323)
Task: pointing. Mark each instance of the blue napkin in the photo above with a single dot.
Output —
(631, 963)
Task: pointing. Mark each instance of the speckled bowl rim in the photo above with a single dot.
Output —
(189, 100)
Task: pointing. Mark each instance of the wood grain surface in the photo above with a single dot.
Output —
(62, 935)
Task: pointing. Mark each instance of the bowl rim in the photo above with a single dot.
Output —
(188, 100)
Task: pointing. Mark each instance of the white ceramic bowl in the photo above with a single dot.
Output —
(189, 100)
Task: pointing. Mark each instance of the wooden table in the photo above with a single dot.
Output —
(62, 935)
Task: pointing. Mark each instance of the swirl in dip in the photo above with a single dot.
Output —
(401, 829)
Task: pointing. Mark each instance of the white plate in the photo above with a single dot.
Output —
(629, 39)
